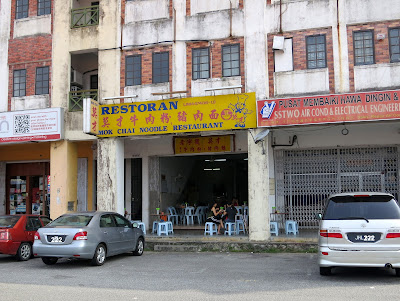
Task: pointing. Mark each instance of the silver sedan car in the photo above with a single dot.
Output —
(360, 229)
(88, 235)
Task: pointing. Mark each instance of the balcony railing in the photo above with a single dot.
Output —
(85, 16)
(76, 98)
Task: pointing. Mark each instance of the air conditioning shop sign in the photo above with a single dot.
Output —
(367, 106)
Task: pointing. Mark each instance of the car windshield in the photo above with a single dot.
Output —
(72, 220)
(362, 207)
(8, 221)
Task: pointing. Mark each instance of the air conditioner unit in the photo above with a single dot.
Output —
(76, 77)
(278, 43)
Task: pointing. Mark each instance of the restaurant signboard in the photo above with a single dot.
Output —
(32, 125)
(366, 106)
(199, 144)
(196, 114)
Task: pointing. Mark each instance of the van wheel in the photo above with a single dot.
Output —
(325, 271)
(99, 256)
(49, 260)
(139, 247)
(24, 251)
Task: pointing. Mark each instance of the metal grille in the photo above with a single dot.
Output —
(305, 178)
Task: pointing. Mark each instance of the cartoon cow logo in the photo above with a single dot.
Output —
(240, 111)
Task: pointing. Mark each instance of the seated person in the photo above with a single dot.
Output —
(231, 212)
(216, 217)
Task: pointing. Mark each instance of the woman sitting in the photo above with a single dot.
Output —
(216, 217)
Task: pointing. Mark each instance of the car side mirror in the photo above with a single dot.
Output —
(134, 225)
(318, 216)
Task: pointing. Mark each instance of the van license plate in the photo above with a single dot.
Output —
(364, 237)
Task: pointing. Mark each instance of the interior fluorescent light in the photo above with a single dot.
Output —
(245, 159)
(220, 160)
(209, 169)
(216, 168)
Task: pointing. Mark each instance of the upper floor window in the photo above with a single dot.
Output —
(316, 52)
(133, 70)
(363, 47)
(230, 60)
(19, 83)
(22, 8)
(394, 42)
(201, 63)
(44, 7)
(42, 81)
(160, 67)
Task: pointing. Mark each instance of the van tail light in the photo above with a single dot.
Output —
(5, 235)
(81, 236)
(325, 233)
(393, 235)
(37, 236)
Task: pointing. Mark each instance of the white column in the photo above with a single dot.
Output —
(179, 48)
(128, 186)
(5, 19)
(110, 175)
(145, 192)
(258, 169)
(256, 48)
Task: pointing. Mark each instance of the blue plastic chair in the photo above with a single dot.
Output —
(291, 227)
(189, 215)
(162, 228)
(210, 228)
(173, 216)
(274, 228)
(155, 225)
(230, 229)
(240, 227)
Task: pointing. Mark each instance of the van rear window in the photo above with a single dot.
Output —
(369, 207)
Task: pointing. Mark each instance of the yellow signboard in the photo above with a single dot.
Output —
(90, 116)
(214, 144)
(210, 113)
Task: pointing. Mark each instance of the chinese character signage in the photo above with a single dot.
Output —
(32, 125)
(90, 116)
(223, 112)
(383, 105)
(214, 144)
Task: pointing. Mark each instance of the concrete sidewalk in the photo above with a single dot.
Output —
(306, 241)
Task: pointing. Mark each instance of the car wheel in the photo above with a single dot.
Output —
(24, 251)
(397, 272)
(50, 260)
(325, 271)
(99, 255)
(139, 247)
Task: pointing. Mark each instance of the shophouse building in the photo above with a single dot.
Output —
(179, 85)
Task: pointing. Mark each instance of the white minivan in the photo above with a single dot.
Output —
(360, 229)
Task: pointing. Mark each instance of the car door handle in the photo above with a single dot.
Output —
(105, 232)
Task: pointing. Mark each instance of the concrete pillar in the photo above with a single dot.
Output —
(64, 174)
(179, 48)
(256, 48)
(3, 188)
(128, 186)
(5, 20)
(259, 212)
(110, 175)
(145, 192)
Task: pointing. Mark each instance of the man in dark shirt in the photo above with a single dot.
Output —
(230, 212)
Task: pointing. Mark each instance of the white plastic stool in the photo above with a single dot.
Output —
(291, 227)
(240, 227)
(154, 231)
(170, 228)
(274, 228)
(230, 228)
(162, 228)
(210, 228)
(142, 226)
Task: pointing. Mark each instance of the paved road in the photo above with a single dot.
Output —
(192, 276)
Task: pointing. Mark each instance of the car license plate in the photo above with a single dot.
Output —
(55, 238)
(364, 237)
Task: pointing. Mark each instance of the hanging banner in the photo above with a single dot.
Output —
(32, 125)
(210, 113)
(368, 106)
(211, 144)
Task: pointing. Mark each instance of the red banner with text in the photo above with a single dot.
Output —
(367, 106)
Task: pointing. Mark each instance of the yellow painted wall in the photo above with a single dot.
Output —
(25, 152)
